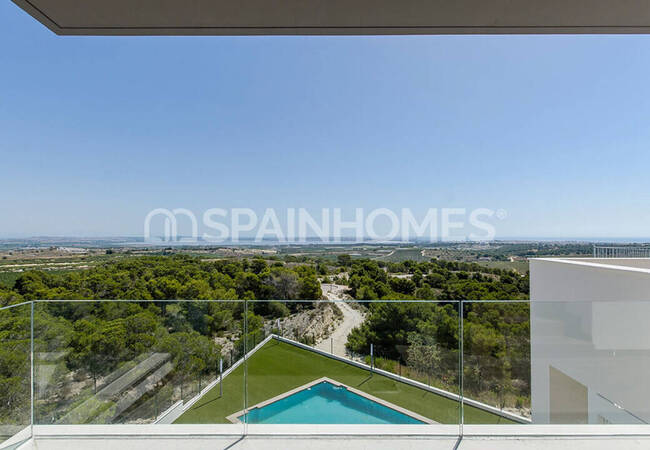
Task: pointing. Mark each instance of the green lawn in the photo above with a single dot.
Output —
(278, 367)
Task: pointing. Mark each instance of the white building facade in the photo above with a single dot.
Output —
(590, 340)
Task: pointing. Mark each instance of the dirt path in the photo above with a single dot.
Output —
(352, 318)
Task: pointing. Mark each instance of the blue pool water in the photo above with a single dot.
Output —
(326, 403)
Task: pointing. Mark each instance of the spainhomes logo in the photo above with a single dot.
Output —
(299, 226)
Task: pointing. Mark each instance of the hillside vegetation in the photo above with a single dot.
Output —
(89, 341)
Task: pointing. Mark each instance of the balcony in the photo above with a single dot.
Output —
(274, 383)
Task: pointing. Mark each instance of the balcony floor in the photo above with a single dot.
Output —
(195, 437)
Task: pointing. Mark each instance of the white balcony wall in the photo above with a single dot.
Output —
(590, 340)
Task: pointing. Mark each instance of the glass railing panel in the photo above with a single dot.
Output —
(390, 362)
(350, 362)
(15, 374)
(590, 362)
(557, 362)
(496, 362)
(214, 395)
(115, 362)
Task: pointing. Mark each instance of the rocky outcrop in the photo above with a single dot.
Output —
(309, 326)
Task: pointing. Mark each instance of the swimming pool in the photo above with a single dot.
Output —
(328, 402)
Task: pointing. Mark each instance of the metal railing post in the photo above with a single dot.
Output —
(220, 377)
(461, 363)
(31, 376)
(245, 362)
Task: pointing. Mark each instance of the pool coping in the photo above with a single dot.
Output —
(234, 418)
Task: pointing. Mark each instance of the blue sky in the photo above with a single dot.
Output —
(97, 131)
